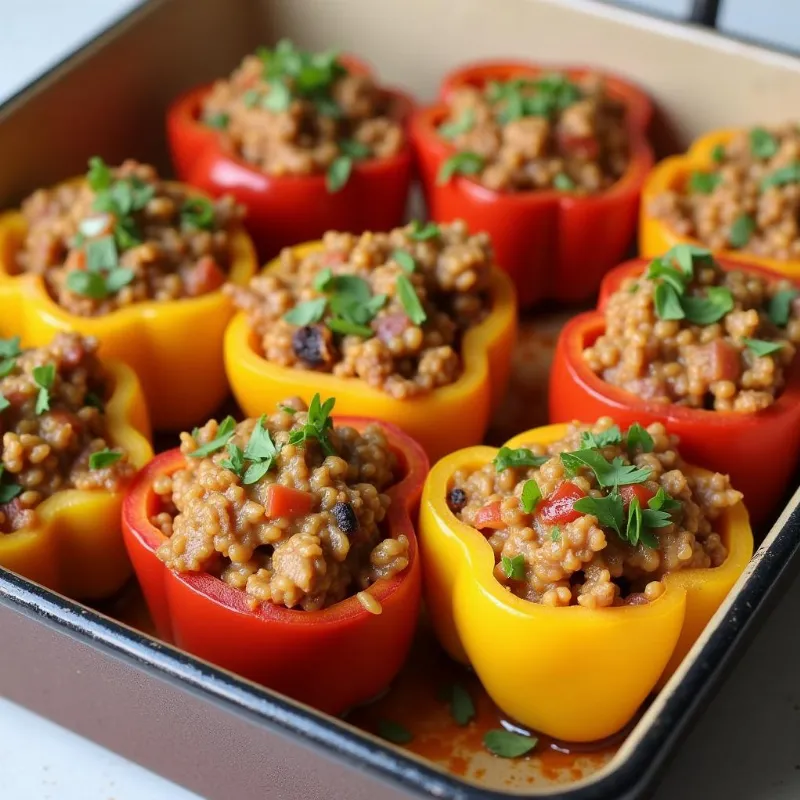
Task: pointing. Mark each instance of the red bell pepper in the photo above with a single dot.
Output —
(554, 245)
(759, 451)
(288, 210)
(331, 659)
(558, 508)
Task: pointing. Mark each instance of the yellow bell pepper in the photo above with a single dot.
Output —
(441, 421)
(574, 673)
(76, 546)
(175, 347)
(671, 174)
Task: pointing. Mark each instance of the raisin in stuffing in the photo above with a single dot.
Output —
(311, 344)
(456, 499)
(345, 517)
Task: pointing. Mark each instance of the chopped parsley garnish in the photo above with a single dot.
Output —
(638, 437)
(43, 377)
(8, 491)
(4, 404)
(198, 212)
(741, 230)
(513, 568)
(394, 732)
(219, 121)
(762, 143)
(762, 348)
(780, 306)
(99, 175)
(782, 176)
(531, 495)
(462, 163)
(608, 473)
(346, 327)
(609, 510)
(563, 182)
(718, 153)
(354, 149)
(506, 744)
(462, 709)
(407, 295)
(289, 410)
(704, 182)
(663, 502)
(542, 97)
(278, 98)
(517, 457)
(261, 452)
(104, 458)
(609, 436)
(338, 173)
(9, 352)
(250, 98)
(709, 309)
(421, 233)
(464, 124)
(93, 401)
(404, 260)
(317, 425)
(235, 460)
(555, 534)
(225, 431)
(307, 313)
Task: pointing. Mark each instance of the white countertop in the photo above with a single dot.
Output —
(745, 747)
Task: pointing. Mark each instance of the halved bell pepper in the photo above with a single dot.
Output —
(76, 546)
(287, 210)
(443, 420)
(175, 347)
(574, 673)
(655, 235)
(759, 451)
(554, 245)
(331, 659)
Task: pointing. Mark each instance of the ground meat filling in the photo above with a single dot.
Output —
(545, 133)
(388, 308)
(287, 508)
(747, 199)
(123, 236)
(292, 112)
(730, 350)
(53, 427)
(562, 533)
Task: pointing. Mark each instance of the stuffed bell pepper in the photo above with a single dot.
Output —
(307, 142)
(282, 548)
(138, 263)
(706, 346)
(551, 164)
(74, 433)
(574, 567)
(735, 192)
(414, 327)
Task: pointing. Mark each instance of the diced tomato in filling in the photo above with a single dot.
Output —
(637, 490)
(204, 277)
(586, 146)
(557, 509)
(391, 326)
(489, 516)
(329, 259)
(283, 501)
(718, 361)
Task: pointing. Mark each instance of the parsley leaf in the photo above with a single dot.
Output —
(555, 534)
(9, 348)
(609, 510)
(607, 437)
(394, 732)
(780, 306)
(718, 153)
(235, 460)
(317, 425)
(516, 457)
(513, 568)
(462, 709)
(637, 436)
(421, 233)
(8, 491)
(704, 182)
(407, 295)
(338, 173)
(355, 149)
(219, 121)
(782, 176)
(709, 309)
(762, 143)
(346, 327)
(531, 495)
(464, 124)
(4, 404)
(463, 163)
(404, 260)
(307, 313)
(741, 230)
(633, 529)
(43, 377)
(506, 744)
(260, 451)
(101, 254)
(563, 182)
(87, 284)
(104, 458)
(198, 212)
(667, 302)
(99, 175)
(608, 474)
(279, 98)
(225, 431)
(762, 348)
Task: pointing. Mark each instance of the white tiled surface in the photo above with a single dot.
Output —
(746, 746)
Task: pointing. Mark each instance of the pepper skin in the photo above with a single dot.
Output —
(573, 673)
(287, 210)
(76, 546)
(554, 245)
(331, 659)
(175, 347)
(441, 421)
(724, 441)
(655, 235)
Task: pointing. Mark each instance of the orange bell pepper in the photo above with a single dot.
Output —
(554, 245)
(331, 659)
(574, 673)
(725, 441)
(76, 546)
(655, 235)
(174, 347)
(441, 421)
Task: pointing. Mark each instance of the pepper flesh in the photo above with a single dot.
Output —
(441, 421)
(331, 659)
(174, 346)
(76, 546)
(655, 235)
(288, 209)
(724, 441)
(554, 245)
(574, 673)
